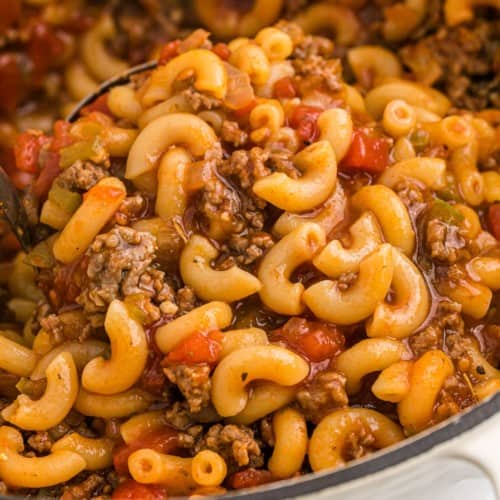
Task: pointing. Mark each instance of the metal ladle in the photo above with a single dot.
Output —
(11, 206)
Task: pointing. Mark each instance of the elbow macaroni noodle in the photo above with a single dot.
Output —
(292, 268)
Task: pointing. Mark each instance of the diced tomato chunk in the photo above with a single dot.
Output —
(169, 51)
(284, 88)
(197, 348)
(494, 219)
(132, 490)
(12, 85)
(304, 120)
(45, 48)
(317, 341)
(27, 150)
(161, 440)
(249, 478)
(49, 171)
(100, 105)
(222, 50)
(10, 12)
(370, 154)
(62, 136)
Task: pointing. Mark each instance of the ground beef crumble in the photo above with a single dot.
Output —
(120, 265)
(233, 134)
(81, 176)
(193, 382)
(445, 242)
(324, 393)
(235, 443)
(199, 101)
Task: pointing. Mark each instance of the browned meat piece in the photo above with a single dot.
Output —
(119, 265)
(454, 397)
(81, 176)
(40, 442)
(447, 322)
(67, 325)
(248, 248)
(186, 300)
(491, 342)
(246, 167)
(232, 133)
(445, 242)
(312, 45)
(84, 490)
(320, 72)
(199, 101)
(194, 383)
(464, 62)
(235, 443)
(131, 209)
(324, 393)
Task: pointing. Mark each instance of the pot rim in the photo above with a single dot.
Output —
(407, 449)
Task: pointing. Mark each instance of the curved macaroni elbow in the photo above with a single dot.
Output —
(100, 203)
(431, 172)
(264, 399)
(319, 167)
(129, 353)
(100, 63)
(413, 93)
(428, 375)
(229, 285)
(290, 443)
(56, 402)
(336, 127)
(209, 76)
(171, 196)
(486, 270)
(165, 131)
(119, 405)
(238, 369)
(124, 103)
(34, 472)
(97, 453)
(278, 292)
(391, 214)
(367, 356)
(327, 216)
(328, 440)
(233, 340)
(212, 316)
(393, 382)
(252, 60)
(375, 61)
(327, 301)
(335, 260)
(410, 306)
(15, 358)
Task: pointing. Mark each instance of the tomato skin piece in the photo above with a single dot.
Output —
(284, 88)
(100, 105)
(62, 137)
(249, 478)
(45, 49)
(132, 490)
(222, 50)
(315, 340)
(197, 348)
(50, 170)
(169, 51)
(304, 120)
(161, 440)
(494, 219)
(27, 150)
(368, 154)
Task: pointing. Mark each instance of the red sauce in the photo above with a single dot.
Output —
(316, 340)
(304, 120)
(132, 490)
(12, 82)
(494, 219)
(10, 13)
(370, 154)
(49, 171)
(222, 50)
(169, 51)
(249, 478)
(284, 88)
(197, 348)
(163, 440)
(27, 150)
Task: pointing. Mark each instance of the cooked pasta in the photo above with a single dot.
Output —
(250, 264)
